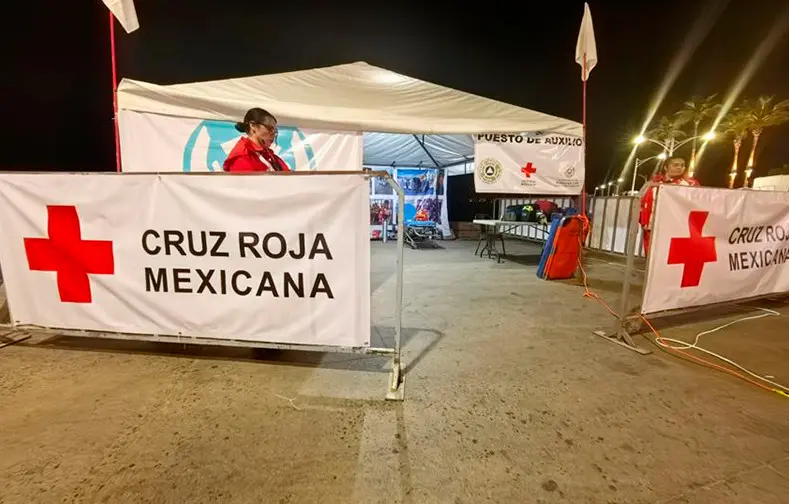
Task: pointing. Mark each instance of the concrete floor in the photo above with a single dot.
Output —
(509, 398)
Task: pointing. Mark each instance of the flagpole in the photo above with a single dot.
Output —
(115, 95)
(583, 189)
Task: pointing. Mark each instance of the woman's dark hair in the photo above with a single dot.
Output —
(256, 115)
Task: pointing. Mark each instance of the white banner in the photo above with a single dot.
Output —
(262, 258)
(152, 142)
(715, 245)
(528, 163)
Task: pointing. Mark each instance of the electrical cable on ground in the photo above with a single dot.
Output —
(679, 347)
(683, 345)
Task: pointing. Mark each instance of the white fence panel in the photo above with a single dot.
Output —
(610, 221)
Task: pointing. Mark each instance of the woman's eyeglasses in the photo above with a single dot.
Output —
(271, 129)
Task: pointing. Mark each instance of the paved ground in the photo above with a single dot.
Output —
(510, 398)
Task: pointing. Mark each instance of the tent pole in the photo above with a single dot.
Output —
(424, 148)
(115, 96)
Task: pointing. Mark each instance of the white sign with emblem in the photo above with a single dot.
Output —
(529, 163)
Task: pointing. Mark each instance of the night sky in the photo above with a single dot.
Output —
(57, 80)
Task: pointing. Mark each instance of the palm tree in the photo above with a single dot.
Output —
(695, 111)
(667, 131)
(762, 113)
(735, 124)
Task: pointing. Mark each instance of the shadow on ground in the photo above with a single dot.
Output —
(383, 337)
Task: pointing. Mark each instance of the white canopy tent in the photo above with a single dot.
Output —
(406, 121)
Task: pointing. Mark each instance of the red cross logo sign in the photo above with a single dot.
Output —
(693, 252)
(68, 255)
(528, 170)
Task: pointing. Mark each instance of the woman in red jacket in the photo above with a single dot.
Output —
(253, 151)
(674, 172)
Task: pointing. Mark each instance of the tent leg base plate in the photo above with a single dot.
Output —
(615, 338)
(12, 338)
(396, 391)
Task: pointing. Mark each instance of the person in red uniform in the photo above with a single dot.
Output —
(674, 172)
(253, 151)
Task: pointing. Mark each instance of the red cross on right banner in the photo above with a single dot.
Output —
(693, 252)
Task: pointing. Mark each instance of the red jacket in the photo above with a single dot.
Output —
(648, 201)
(247, 156)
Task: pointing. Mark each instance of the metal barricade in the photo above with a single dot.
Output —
(533, 233)
(609, 217)
(609, 223)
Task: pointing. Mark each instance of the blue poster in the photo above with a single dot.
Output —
(417, 182)
(424, 191)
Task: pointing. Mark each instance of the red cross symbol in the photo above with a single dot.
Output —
(693, 252)
(528, 170)
(67, 254)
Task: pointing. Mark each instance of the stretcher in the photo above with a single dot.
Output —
(421, 234)
(559, 258)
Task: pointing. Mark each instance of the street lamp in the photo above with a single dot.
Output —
(618, 183)
(673, 145)
(610, 184)
(638, 163)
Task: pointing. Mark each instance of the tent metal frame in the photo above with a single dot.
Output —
(396, 385)
(424, 148)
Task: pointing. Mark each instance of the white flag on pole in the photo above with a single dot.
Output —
(124, 12)
(586, 48)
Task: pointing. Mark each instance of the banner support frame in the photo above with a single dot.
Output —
(396, 389)
(621, 333)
